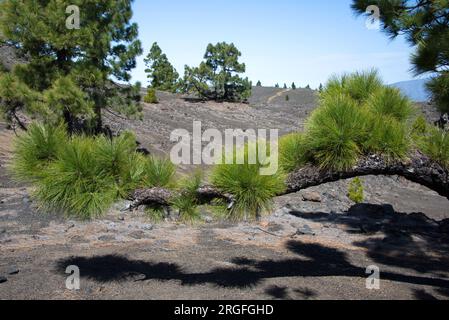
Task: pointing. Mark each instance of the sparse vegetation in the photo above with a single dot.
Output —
(425, 26)
(187, 201)
(35, 150)
(435, 144)
(355, 191)
(292, 152)
(253, 192)
(217, 78)
(68, 74)
(82, 176)
(160, 71)
(151, 97)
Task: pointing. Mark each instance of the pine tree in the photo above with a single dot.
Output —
(69, 70)
(320, 88)
(308, 87)
(285, 86)
(218, 76)
(259, 84)
(276, 85)
(160, 71)
(293, 86)
(426, 27)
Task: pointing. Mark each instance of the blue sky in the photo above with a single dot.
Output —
(280, 40)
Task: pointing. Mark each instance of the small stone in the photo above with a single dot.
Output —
(13, 270)
(70, 226)
(2, 201)
(3, 279)
(147, 227)
(208, 219)
(111, 225)
(121, 219)
(26, 200)
(305, 231)
(137, 235)
(312, 197)
(106, 238)
(2, 231)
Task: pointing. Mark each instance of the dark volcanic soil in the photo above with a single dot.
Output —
(315, 244)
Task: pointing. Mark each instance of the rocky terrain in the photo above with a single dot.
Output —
(316, 244)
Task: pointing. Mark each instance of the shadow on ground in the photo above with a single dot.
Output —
(312, 260)
(409, 241)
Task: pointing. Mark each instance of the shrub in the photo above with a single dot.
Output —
(419, 127)
(355, 191)
(436, 146)
(334, 133)
(287, 98)
(359, 86)
(187, 202)
(36, 149)
(292, 151)
(439, 87)
(388, 137)
(82, 176)
(151, 96)
(390, 102)
(75, 183)
(159, 172)
(253, 192)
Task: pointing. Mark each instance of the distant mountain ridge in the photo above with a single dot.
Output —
(414, 89)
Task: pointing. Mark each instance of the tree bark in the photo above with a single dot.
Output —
(419, 169)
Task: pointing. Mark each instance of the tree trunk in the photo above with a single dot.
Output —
(418, 168)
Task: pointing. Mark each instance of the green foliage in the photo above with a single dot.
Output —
(359, 86)
(218, 76)
(159, 172)
(390, 102)
(425, 25)
(359, 115)
(36, 149)
(419, 127)
(160, 71)
(80, 62)
(355, 190)
(82, 176)
(435, 145)
(287, 98)
(285, 86)
(293, 86)
(335, 132)
(187, 202)
(439, 87)
(253, 192)
(75, 183)
(15, 96)
(292, 152)
(258, 84)
(151, 96)
(276, 85)
(387, 137)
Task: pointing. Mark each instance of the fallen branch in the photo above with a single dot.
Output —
(419, 169)
(163, 197)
